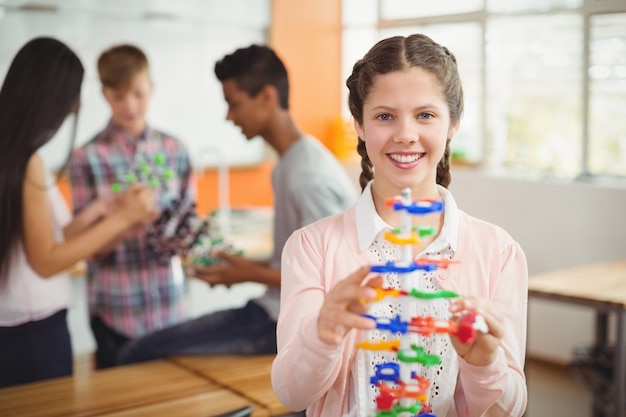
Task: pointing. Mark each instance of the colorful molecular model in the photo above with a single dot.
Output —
(150, 171)
(401, 390)
(204, 253)
(176, 231)
(180, 231)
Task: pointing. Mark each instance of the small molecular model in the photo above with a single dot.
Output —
(400, 388)
(204, 253)
(176, 231)
(180, 231)
(152, 172)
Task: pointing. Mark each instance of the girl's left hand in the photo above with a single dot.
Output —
(107, 203)
(483, 350)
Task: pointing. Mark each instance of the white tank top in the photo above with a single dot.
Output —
(27, 296)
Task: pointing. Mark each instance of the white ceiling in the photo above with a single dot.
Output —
(255, 12)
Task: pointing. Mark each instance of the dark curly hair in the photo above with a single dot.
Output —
(253, 68)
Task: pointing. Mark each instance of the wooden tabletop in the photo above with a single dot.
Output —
(248, 376)
(105, 391)
(200, 405)
(600, 284)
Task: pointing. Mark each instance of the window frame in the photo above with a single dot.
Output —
(587, 10)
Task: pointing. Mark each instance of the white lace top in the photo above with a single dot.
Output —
(442, 377)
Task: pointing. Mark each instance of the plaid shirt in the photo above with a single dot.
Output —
(129, 289)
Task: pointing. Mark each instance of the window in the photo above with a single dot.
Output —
(534, 93)
(545, 80)
(607, 95)
(402, 9)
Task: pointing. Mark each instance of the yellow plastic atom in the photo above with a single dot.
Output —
(397, 240)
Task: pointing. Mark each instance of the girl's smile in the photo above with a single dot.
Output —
(405, 160)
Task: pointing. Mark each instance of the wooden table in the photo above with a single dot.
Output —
(200, 405)
(157, 386)
(247, 375)
(601, 287)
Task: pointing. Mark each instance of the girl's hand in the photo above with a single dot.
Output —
(483, 350)
(344, 305)
(138, 204)
(105, 204)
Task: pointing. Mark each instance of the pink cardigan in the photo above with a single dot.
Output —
(309, 374)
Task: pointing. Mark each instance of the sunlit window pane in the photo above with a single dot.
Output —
(406, 9)
(534, 102)
(607, 95)
(500, 6)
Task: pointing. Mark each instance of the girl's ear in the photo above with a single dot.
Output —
(359, 129)
(453, 129)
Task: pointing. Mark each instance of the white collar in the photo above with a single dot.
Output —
(367, 230)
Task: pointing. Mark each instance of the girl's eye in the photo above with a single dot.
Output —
(384, 116)
(425, 116)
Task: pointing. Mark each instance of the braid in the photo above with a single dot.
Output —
(443, 168)
(367, 170)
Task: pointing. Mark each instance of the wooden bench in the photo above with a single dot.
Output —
(247, 375)
(159, 387)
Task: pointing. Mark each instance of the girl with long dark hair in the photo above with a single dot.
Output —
(38, 238)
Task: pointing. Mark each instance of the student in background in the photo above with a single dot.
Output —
(308, 184)
(39, 239)
(131, 292)
(406, 98)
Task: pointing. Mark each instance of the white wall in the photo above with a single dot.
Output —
(559, 224)
(183, 40)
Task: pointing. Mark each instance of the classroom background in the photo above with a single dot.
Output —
(542, 151)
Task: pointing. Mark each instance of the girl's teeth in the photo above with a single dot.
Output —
(405, 158)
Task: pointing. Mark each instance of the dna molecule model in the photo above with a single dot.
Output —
(399, 385)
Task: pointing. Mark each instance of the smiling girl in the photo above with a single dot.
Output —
(406, 98)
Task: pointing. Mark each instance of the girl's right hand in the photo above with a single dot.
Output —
(344, 305)
(138, 204)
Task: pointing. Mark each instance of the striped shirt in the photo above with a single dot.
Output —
(130, 289)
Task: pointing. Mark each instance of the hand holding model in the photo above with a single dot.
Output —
(343, 306)
(137, 204)
(234, 269)
(483, 350)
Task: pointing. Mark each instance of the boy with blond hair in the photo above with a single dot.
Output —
(130, 291)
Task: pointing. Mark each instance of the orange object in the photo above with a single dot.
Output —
(249, 186)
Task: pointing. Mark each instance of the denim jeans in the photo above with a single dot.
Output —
(245, 330)
(108, 343)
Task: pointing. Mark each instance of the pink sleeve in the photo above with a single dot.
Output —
(500, 388)
(305, 368)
